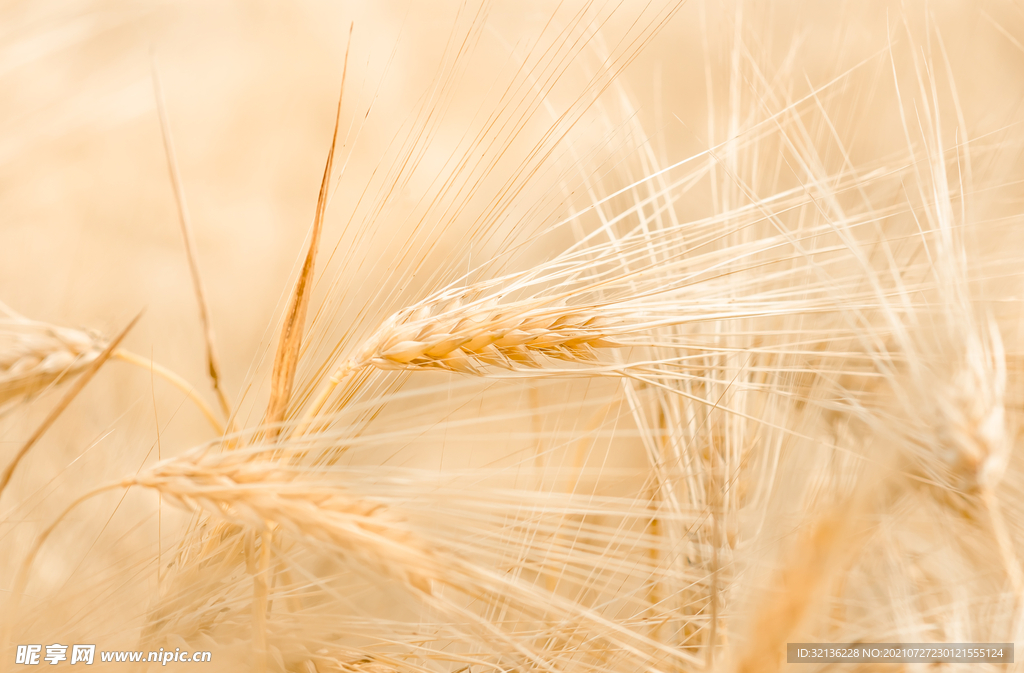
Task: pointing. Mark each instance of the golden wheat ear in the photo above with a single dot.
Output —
(35, 356)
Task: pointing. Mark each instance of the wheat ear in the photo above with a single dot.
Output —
(970, 445)
(457, 335)
(466, 338)
(62, 404)
(251, 493)
(35, 355)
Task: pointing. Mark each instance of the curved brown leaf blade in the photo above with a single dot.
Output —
(212, 360)
(287, 358)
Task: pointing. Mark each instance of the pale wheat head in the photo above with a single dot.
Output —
(265, 495)
(35, 355)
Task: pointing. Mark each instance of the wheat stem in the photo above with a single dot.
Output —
(1006, 552)
(260, 594)
(175, 380)
(22, 578)
(321, 399)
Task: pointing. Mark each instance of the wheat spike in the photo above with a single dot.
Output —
(253, 493)
(968, 415)
(35, 355)
(453, 334)
(467, 337)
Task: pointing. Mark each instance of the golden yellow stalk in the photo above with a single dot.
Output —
(176, 381)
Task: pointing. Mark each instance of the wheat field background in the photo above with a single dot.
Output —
(629, 337)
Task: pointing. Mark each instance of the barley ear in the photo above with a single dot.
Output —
(70, 395)
(41, 357)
